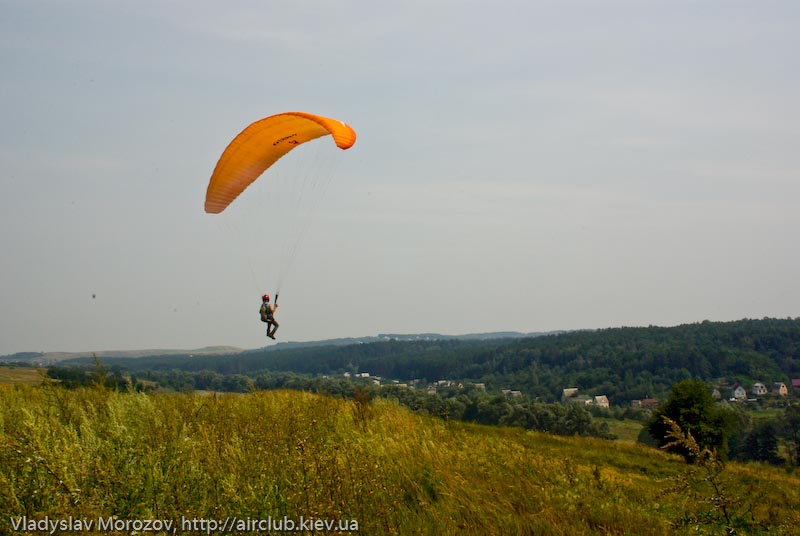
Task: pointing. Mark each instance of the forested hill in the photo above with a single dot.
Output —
(622, 363)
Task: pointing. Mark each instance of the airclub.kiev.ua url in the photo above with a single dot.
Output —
(194, 525)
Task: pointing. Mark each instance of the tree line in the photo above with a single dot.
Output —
(622, 363)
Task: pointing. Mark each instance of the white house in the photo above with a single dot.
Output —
(759, 389)
(739, 393)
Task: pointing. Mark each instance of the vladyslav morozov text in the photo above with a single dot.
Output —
(51, 525)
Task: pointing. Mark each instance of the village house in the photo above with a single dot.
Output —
(738, 393)
(602, 401)
(779, 388)
(646, 403)
(759, 389)
(571, 395)
(796, 384)
(568, 393)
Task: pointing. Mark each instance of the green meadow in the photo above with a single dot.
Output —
(334, 466)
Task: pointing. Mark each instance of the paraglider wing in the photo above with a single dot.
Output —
(260, 145)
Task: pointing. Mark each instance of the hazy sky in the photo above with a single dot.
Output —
(529, 166)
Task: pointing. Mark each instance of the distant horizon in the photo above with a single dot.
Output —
(222, 349)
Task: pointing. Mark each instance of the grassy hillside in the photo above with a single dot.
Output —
(87, 453)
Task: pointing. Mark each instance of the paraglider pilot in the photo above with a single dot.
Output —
(268, 315)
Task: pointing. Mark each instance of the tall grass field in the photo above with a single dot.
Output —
(99, 461)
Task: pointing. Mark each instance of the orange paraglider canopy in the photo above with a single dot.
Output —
(260, 145)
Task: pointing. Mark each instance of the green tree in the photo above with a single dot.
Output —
(762, 444)
(789, 429)
(692, 407)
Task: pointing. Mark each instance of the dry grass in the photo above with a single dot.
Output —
(94, 452)
(21, 375)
